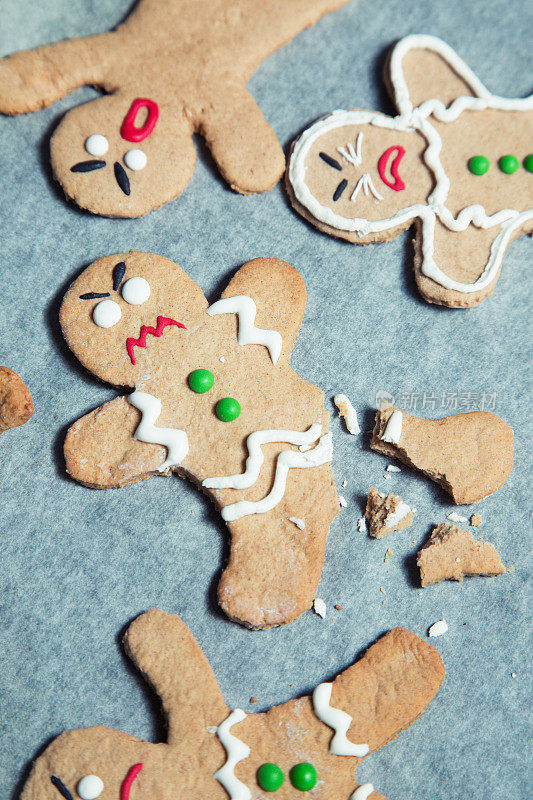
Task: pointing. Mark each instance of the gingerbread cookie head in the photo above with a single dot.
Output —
(312, 744)
(119, 152)
(216, 399)
(456, 161)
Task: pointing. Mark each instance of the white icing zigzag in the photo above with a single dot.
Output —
(339, 720)
(363, 792)
(236, 751)
(246, 310)
(286, 460)
(174, 440)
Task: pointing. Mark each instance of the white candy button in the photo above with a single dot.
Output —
(136, 291)
(97, 145)
(135, 159)
(90, 787)
(106, 313)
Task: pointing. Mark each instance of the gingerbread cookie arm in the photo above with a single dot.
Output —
(167, 654)
(276, 557)
(34, 79)
(241, 141)
(100, 450)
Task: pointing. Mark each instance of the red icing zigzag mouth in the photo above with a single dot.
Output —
(132, 772)
(162, 323)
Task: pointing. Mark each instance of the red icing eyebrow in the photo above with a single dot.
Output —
(129, 131)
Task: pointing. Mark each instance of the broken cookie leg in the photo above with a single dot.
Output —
(469, 455)
(16, 406)
(386, 513)
(451, 553)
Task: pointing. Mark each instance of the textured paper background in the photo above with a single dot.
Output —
(76, 565)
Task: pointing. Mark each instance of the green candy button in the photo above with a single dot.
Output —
(528, 162)
(201, 380)
(478, 165)
(269, 777)
(508, 164)
(303, 777)
(227, 409)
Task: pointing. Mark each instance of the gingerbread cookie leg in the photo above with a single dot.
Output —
(34, 79)
(242, 142)
(272, 579)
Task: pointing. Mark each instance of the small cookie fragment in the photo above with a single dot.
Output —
(476, 520)
(469, 455)
(386, 513)
(319, 607)
(16, 405)
(348, 413)
(438, 628)
(451, 553)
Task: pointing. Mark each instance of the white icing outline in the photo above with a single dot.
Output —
(416, 119)
(246, 309)
(236, 751)
(339, 721)
(286, 460)
(173, 439)
(393, 428)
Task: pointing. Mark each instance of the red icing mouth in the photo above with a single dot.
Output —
(397, 184)
(128, 781)
(162, 323)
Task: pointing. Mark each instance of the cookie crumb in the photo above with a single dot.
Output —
(343, 484)
(392, 468)
(319, 607)
(386, 513)
(337, 607)
(253, 699)
(222, 359)
(476, 521)
(388, 554)
(348, 413)
(513, 674)
(438, 628)
(455, 517)
(16, 405)
(361, 524)
(450, 553)
(298, 522)
(211, 729)
(342, 501)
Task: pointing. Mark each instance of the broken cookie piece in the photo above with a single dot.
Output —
(348, 412)
(451, 553)
(469, 455)
(386, 513)
(16, 406)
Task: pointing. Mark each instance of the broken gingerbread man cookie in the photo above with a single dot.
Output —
(16, 405)
(212, 397)
(457, 162)
(312, 744)
(469, 455)
(172, 69)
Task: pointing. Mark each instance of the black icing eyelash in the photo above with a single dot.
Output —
(61, 788)
(118, 273)
(93, 295)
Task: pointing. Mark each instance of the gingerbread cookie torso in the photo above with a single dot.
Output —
(457, 162)
(310, 744)
(214, 398)
(173, 68)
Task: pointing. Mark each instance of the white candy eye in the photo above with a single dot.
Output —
(90, 787)
(97, 145)
(136, 291)
(107, 313)
(135, 159)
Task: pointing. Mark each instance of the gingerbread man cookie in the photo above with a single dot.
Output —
(310, 744)
(172, 69)
(457, 162)
(213, 397)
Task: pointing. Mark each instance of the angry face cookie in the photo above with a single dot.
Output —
(211, 396)
(457, 162)
(172, 69)
(312, 744)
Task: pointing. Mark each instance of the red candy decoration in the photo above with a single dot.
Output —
(128, 130)
(128, 780)
(398, 184)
